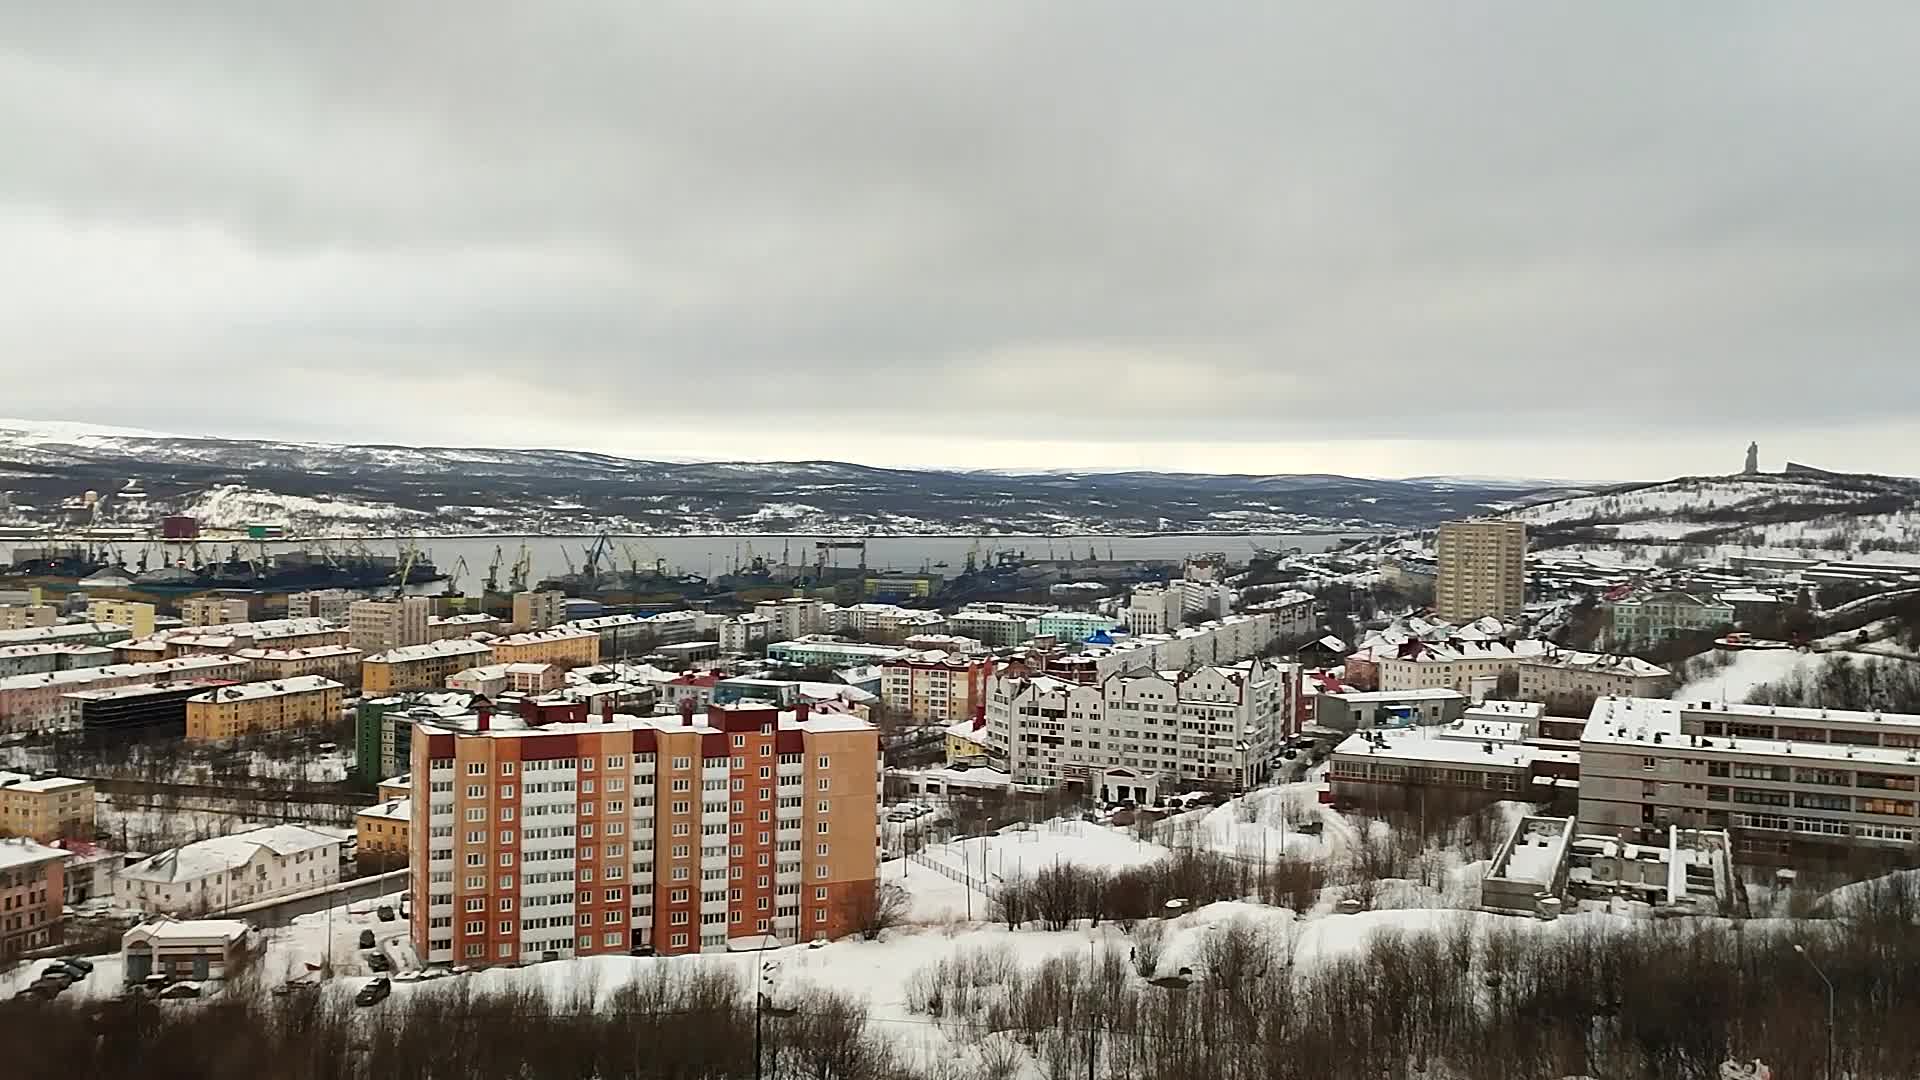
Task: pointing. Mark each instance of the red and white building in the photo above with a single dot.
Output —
(743, 826)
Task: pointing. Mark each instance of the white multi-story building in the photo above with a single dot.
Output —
(330, 604)
(1221, 641)
(996, 628)
(379, 625)
(1126, 737)
(1473, 668)
(740, 634)
(227, 871)
(795, 616)
(891, 621)
(1559, 678)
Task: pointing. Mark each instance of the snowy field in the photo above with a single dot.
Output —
(1752, 667)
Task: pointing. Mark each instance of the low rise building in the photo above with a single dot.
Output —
(231, 712)
(888, 622)
(421, 667)
(383, 728)
(333, 605)
(742, 635)
(1448, 769)
(216, 609)
(1820, 788)
(48, 809)
(1355, 710)
(566, 646)
(496, 679)
(341, 663)
(995, 629)
(39, 659)
(183, 950)
(142, 711)
(68, 633)
(38, 702)
(820, 650)
(1074, 625)
(1576, 678)
(1472, 667)
(380, 835)
(229, 871)
(1648, 618)
(32, 889)
(442, 627)
(136, 616)
(968, 740)
(27, 616)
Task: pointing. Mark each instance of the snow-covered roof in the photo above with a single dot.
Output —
(1640, 722)
(391, 810)
(472, 619)
(1428, 693)
(1458, 649)
(32, 634)
(563, 632)
(508, 726)
(17, 851)
(13, 781)
(254, 691)
(181, 931)
(449, 647)
(57, 648)
(1420, 744)
(310, 652)
(1600, 664)
(150, 669)
(222, 853)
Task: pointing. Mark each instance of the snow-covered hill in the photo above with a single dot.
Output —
(363, 488)
(1804, 510)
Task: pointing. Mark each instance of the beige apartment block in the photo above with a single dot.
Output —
(254, 708)
(55, 808)
(137, 617)
(1482, 570)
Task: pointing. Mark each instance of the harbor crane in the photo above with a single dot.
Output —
(493, 571)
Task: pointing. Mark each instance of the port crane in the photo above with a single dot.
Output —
(522, 566)
(453, 576)
(493, 571)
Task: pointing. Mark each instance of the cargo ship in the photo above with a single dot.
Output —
(70, 567)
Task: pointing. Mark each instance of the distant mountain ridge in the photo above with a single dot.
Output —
(427, 489)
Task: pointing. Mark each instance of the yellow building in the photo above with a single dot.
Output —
(215, 610)
(964, 740)
(539, 610)
(251, 708)
(26, 616)
(132, 614)
(422, 667)
(566, 646)
(380, 833)
(46, 810)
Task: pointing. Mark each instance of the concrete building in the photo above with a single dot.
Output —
(65, 633)
(32, 888)
(1130, 737)
(824, 651)
(794, 616)
(142, 711)
(1356, 710)
(1473, 668)
(442, 627)
(995, 629)
(1155, 609)
(967, 740)
(539, 610)
(421, 667)
(333, 605)
(1566, 678)
(378, 625)
(1648, 618)
(228, 871)
(741, 635)
(746, 827)
(934, 687)
(1074, 625)
(1221, 641)
(304, 633)
(305, 701)
(1530, 867)
(183, 950)
(496, 679)
(1449, 769)
(1814, 787)
(137, 617)
(27, 616)
(38, 702)
(381, 836)
(39, 659)
(1482, 570)
(55, 808)
(566, 646)
(215, 609)
(890, 623)
(383, 729)
(341, 663)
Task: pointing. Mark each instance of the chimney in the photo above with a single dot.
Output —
(800, 710)
(686, 711)
(606, 707)
(483, 715)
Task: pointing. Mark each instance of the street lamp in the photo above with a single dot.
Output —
(1808, 957)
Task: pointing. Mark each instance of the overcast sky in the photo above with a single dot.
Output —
(1603, 241)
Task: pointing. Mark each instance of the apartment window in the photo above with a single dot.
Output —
(820, 850)
(679, 941)
(820, 872)
(682, 762)
(820, 893)
(476, 903)
(475, 929)
(506, 791)
(819, 915)
(506, 768)
(476, 791)
(739, 740)
(824, 762)
(677, 896)
(678, 918)
(476, 768)
(821, 827)
(826, 784)
(766, 772)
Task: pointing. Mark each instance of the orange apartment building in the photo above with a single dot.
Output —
(597, 835)
(567, 646)
(252, 708)
(421, 667)
(32, 888)
(55, 808)
(935, 687)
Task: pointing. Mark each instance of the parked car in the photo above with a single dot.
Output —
(287, 989)
(55, 972)
(385, 913)
(374, 992)
(366, 939)
(80, 962)
(379, 962)
(180, 991)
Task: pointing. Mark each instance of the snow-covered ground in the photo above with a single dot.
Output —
(233, 506)
(1749, 669)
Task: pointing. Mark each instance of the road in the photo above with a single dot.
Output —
(272, 913)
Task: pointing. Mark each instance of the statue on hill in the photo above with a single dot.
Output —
(1753, 459)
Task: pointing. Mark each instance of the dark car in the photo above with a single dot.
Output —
(374, 992)
(56, 973)
(366, 939)
(179, 991)
(379, 962)
(80, 962)
(385, 913)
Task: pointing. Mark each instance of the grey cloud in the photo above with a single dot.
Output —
(1101, 223)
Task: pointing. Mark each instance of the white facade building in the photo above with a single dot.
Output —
(1127, 736)
(228, 871)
